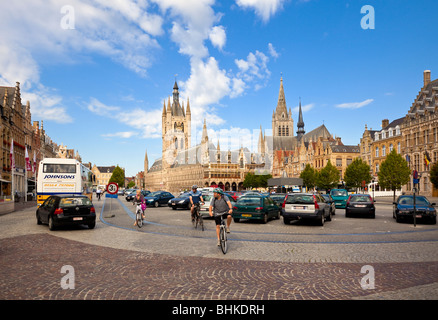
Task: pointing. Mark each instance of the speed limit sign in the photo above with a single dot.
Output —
(112, 188)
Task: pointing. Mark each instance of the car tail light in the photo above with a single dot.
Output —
(316, 203)
(59, 211)
(259, 208)
(234, 208)
(348, 201)
(92, 210)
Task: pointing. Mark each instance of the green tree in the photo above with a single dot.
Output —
(249, 181)
(394, 172)
(309, 176)
(357, 172)
(118, 176)
(131, 184)
(261, 180)
(434, 175)
(328, 177)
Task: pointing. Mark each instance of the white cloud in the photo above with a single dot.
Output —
(147, 123)
(254, 67)
(218, 36)
(272, 51)
(124, 135)
(121, 30)
(304, 108)
(354, 105)
(263, 8)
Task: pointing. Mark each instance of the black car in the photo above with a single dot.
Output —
(404, 209)
(182, 202)
(328, 198)
(60, 210)
(360, 204)
(131, 195)
(158, 198)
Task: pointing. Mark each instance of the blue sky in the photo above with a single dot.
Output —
(97, 72)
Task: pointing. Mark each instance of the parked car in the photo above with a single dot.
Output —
(340, 196)
(278, 198)
(306, 206)
(131, 195)
(404, 208)
(158, 198)
(328, 198)
(360, 204)
(233, 194)
(255, 206)
(60, 210)
(207, 200)
(181, 202)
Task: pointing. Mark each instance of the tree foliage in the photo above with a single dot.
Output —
(394, 172)
(256, 180)
(118, 176)
(328, 177)
(309, 176)
(434, 175)
(357, 172)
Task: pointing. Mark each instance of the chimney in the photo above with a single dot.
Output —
(426, 77)
(385, 123)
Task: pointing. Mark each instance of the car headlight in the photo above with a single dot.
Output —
(181, 202)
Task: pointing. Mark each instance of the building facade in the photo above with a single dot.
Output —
(420, 135)
(17, 127)
(205, 164)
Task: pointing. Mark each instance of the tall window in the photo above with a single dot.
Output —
(383, 150)
(377, 151)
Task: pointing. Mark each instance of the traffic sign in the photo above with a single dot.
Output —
(112, 188)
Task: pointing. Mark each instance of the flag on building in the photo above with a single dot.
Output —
(11, 155)
(34, 163)
(28, 166)
(426, 158)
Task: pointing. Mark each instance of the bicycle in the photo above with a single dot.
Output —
(138, 216)
(223, 235)
(198, 217)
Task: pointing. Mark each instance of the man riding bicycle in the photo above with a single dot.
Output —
(195, 197)
(220, 205)
(139, 200)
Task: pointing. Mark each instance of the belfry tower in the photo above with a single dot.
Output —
(282, 122)
(176, 127)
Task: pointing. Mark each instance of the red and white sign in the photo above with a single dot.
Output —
(112, 188)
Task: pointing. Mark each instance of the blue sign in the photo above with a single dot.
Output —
(416, 181)
(108, 195)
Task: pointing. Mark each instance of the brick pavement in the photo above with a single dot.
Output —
(117, 263)
(31, 269)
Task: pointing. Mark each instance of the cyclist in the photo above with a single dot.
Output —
(139, 200)
(195, 197)
(220, 204)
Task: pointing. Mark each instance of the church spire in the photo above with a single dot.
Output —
(300, 124)
(281, 104)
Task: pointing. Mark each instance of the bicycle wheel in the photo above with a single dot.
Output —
(223, 239)
(139, 220)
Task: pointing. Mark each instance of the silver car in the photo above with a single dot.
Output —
(306, 206)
